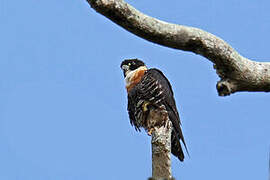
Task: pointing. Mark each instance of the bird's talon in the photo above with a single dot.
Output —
(150, 131)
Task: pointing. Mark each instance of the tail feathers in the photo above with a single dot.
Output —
(176, 147)
(181, 137)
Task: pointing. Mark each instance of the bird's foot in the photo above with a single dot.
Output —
(150, 131)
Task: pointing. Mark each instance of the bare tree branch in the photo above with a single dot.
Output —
(237, 73)
(161, 152)
(161, 144)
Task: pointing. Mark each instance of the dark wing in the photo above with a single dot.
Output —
(167, 98)
(155, 88)
(132, 98)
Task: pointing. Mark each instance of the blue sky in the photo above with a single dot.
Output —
(63, 103)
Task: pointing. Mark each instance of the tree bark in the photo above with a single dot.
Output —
(236, 72)
(161, 130)
(161, 152)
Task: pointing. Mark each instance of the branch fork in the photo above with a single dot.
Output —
(237, 73)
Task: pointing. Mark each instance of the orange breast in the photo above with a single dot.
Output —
(135, 79)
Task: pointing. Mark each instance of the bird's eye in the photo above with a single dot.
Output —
(132, 67)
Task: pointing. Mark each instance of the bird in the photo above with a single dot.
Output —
(150, 89)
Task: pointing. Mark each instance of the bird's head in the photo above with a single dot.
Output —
(130, 65)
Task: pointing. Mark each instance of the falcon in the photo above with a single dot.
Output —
(149, 89)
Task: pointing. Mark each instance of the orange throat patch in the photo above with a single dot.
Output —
(134, 78)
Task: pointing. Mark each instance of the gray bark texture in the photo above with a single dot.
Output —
(161, 152)
(236, 72)
(161, 130)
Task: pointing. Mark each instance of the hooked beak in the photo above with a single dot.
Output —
(125, 68)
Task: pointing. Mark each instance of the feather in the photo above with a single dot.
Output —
(155, 89)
